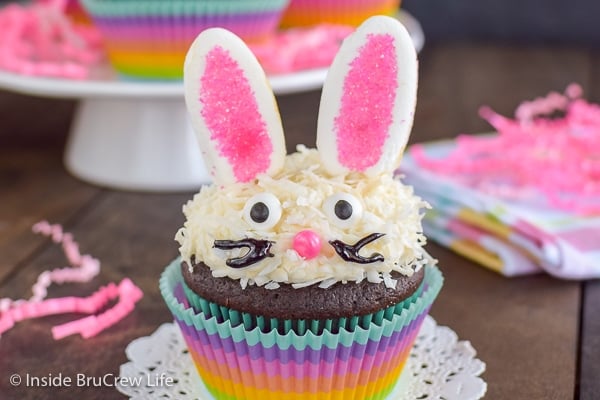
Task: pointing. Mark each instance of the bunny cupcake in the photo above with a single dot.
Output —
(302, 276)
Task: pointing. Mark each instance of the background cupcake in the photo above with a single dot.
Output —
(149, 38)
(344, 12)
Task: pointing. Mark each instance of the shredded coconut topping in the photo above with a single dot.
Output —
(391, 208)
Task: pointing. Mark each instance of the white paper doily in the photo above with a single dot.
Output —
(439, 368)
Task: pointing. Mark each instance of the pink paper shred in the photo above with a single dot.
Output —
(39, 39)
(83, 269)
(301, 49)
(552, 147)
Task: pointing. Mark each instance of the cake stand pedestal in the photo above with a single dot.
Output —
(135, 144)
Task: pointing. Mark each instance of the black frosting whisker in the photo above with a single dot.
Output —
(257, 251)
(349, 252)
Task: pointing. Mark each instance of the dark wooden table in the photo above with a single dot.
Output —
(539, 336)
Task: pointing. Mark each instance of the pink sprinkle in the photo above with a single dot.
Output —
(362, 125)
(232, 117)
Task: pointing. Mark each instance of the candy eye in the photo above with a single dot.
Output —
(262, 211)
(343, 209)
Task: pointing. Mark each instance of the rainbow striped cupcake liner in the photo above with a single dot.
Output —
(149, 38)
(344, 12)
(300, 327)
(235, 362)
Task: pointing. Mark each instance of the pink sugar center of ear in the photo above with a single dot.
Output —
(231, 114)
(365, 115)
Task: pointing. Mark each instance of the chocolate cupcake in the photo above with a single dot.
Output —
(310, 302)
(302, 275)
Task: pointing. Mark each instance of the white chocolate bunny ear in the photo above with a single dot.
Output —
(368, 100)
(232, 108)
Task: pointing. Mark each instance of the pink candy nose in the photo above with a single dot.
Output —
(307, 244)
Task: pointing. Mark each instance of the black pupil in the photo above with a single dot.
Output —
(259, 212)
(343, 209)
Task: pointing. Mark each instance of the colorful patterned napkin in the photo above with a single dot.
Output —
(510, 236)
(523, 200)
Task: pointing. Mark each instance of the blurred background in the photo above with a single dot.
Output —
(568, 22)
(452, 28)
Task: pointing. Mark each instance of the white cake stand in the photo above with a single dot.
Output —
(135, 135)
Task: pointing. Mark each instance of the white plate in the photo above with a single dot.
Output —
(106, 83)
